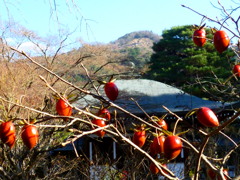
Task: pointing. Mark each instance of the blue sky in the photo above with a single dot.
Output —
(104, 20)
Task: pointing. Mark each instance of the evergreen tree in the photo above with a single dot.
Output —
(179, 62)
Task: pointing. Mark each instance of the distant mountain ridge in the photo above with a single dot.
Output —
(136, 47)
(140, 39)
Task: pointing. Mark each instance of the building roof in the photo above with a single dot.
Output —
(151, 95)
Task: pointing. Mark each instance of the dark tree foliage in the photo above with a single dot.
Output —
(138, 56)
(179, 62)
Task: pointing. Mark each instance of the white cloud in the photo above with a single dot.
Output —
(27, 46)
(31, 48)
(10, 41)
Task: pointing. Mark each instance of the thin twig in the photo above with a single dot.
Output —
(178, 119)
(138, 105)
(84, 133)
(75, 150)
(198, 165)
(204, 157)
(227, 156)
(230, 139)
(213, 20)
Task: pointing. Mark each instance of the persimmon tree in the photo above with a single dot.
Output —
(31, 88)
